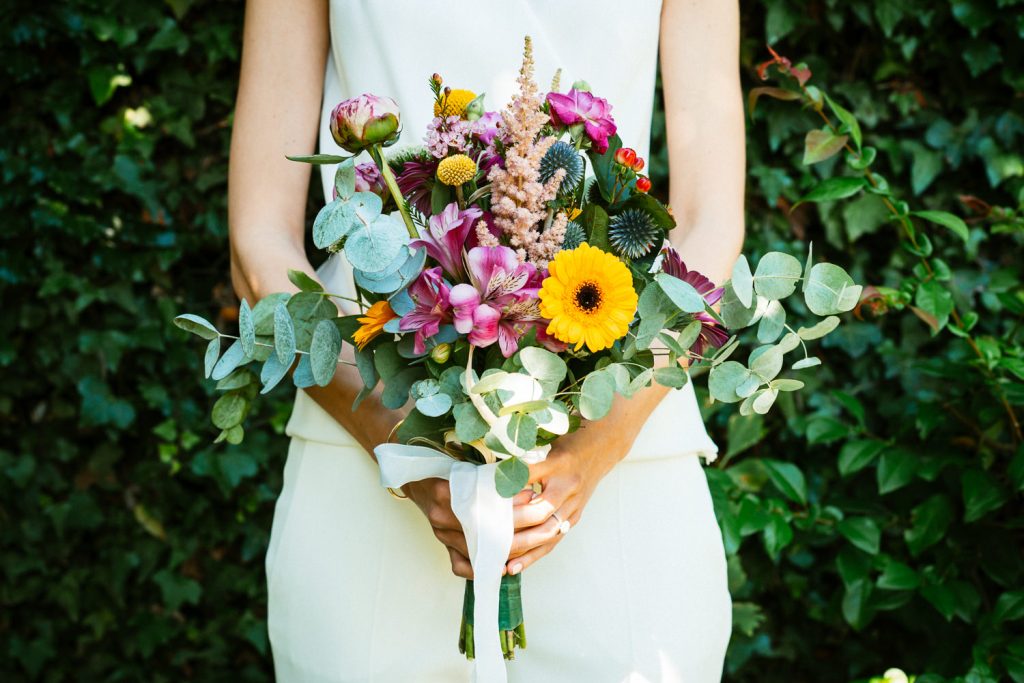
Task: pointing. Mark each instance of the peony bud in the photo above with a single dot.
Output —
(625, 156)
(638, 165)
(364, 121)
(581, 85)
(440, 353)
(643, 184)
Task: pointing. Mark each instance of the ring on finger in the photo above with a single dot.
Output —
(563, 524)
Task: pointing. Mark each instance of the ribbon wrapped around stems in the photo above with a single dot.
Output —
(486, 520)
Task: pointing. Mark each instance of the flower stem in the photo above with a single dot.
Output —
(396, 194)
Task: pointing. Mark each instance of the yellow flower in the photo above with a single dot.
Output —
(589, 298)
(456, 170)
(373, 323)
(454, 103)
(574, 213)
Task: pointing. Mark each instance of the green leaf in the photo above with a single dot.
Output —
(898, 577)
(196, 325)
(372, 247)
(855, 604)
(274, 370)
(848, 120)
(982, 494)
(212, 354)
(933, 298)
(246, 329)
(284, 334)
(788, 478)
(742, 282)
(772, 323)
(929, 522)
(1009, 607)
(229, 410)
(808, 362)
(725, 379)
(856, 455)
(604, 168)
(231, 359)
(304, 282)
(682, 294)
(263, 313)
(522, 430)
(469, 426)
(598, 391)
(542, 365)
(319, 158)
(833, 189)
(435, 405)
(345, 179)
(822, 144)
(594, 220)
(396, 388)
(324, 350)
(510, 477)
(830, 290)
(820, 329)
(896, 469)
(862, 532)
(945, 219)
(672, 376)
(777, 275)
(333, 223)
(941, 598)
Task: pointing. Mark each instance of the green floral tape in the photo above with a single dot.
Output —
(510, 603)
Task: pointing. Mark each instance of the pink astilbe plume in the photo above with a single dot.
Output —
(518, 198)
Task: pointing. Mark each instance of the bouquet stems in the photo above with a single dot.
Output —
(511, 630)
(392, 185)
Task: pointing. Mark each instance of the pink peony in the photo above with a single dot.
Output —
(580, 106)
(364, 121)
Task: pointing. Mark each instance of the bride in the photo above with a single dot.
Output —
(364, 586)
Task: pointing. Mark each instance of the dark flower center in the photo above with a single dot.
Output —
(588, 297)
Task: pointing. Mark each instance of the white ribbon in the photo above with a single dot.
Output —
(486, 520)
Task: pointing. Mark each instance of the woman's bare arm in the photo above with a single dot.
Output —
(284, 53)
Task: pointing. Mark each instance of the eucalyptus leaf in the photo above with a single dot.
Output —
(766, 363)
(324, 350)
(212, 354)
(263, 313)
(303, 281)
(333, 223)
(345, 179)
(469, 426)
(672, 376)
(510, 477)
(725, 379)
(246, 328)
(826, 285)
(319, 158)
(777, 275)
(742, 282)
(735, 313)
(764, 400)
(597, 393)
(284, 334)
(229, 410)
(820, 329)
(808, 362)
(682, 294)
(274, 370)
(434, 405)
(372, 246)
(542, 364)
(196, 325)
(231, 359)
(772, 323)
(303, 376)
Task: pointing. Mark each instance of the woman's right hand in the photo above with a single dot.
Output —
(433, 497)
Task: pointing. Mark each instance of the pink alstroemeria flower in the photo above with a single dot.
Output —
(711, 333)
(501, 304)
(445, 237)
(580, 106)
(431, 294)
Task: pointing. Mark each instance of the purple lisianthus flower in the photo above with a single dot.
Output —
(369, 179)
(445, 237)
(430, 294)
(711, 333)
(580, 106)
(500, 304)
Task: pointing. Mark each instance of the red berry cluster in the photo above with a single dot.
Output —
(627, 157)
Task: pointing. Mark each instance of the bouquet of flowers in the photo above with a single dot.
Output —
(509, 295)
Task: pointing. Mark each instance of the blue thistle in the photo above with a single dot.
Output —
(633, 233)
(574, 235)
(562, 155)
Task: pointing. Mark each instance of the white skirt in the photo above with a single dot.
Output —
(361, 591)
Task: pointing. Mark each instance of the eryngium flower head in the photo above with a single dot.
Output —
(574, 235)
(562, 155)
(633, 233)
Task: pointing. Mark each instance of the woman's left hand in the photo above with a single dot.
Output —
(568, 477)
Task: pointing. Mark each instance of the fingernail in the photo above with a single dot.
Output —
(536, 498)
(516, 568)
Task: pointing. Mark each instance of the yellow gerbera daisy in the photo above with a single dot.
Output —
(455, 103)
(589, 298)
(373, 323)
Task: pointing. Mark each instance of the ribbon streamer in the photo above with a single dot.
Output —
(486, 520)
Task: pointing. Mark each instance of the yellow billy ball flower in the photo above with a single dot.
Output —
(373, 322)
(456, 170)
(589, 298)
(455, 103)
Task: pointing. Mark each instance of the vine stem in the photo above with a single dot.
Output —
(908, 230)
(392, 184)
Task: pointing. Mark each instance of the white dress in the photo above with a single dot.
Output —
(359, 589)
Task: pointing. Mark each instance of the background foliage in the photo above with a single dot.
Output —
(876, 524)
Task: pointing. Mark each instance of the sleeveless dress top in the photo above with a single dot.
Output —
(359, 589)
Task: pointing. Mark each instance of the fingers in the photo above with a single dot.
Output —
(453, 540)
(557, 492)
(533, 536)
(518, 563)
(460, 565)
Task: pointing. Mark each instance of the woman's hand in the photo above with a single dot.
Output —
(433, 497)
